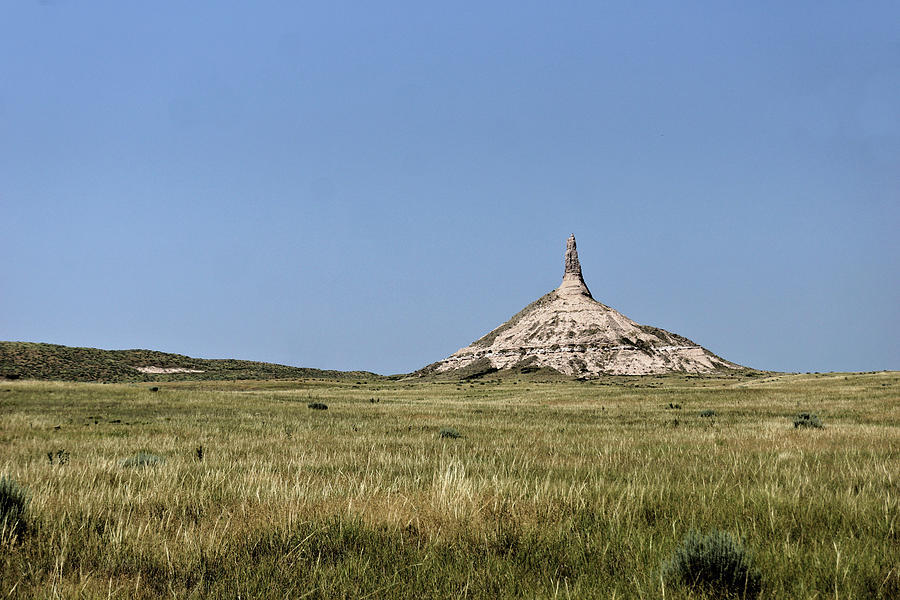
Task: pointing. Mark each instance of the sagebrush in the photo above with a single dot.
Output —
(13, 504)
(716, 562)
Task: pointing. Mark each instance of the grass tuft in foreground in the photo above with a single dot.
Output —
(143, 459)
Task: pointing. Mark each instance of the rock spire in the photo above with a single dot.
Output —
(573, 282)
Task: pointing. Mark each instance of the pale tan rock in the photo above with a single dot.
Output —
(166, 370)
(567, 330)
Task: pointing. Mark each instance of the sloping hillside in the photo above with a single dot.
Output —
(27, 360)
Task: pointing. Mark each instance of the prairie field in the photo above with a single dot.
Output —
(487, 488)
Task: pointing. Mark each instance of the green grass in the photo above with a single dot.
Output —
(555, 490)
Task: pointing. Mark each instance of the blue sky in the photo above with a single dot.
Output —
(375, 185)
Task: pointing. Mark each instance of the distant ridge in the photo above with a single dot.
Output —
(568, 331)
(29, 360)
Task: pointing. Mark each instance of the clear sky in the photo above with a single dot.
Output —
(373, 185)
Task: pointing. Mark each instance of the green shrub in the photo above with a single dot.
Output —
(805, 419)
(13, 503)
(142, 459)
(708, 413)
(317, 406)
(449, 432)
(715, 562)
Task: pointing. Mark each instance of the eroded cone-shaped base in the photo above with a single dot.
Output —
(567, 330)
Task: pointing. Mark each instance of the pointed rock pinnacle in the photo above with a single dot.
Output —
(572, 264)
(573, 282)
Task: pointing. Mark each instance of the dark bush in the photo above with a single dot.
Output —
(708, 413)
(13, 503)
(317, 406)
(805, 419)
(61, 456)
(154, 389)
(715, 562)
(449, 432)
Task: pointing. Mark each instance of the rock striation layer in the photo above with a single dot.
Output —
(570, 332)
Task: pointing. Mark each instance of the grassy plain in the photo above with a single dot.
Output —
(555, 490)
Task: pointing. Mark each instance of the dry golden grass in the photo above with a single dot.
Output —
(572, 489)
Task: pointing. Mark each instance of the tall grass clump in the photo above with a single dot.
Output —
(143, 459)
(13, 504)
(715, 562)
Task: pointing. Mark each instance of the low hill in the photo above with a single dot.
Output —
(28, 360)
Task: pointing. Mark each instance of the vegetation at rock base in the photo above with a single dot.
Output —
(556, 489)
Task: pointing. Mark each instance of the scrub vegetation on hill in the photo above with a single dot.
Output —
(29, 360)
(614, 488)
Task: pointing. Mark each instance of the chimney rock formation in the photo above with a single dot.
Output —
(567, 330)
(573, 282)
